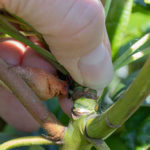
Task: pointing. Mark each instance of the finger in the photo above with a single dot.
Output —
(13, 112)
(74, 31)
(66, 105)
(45, 85)
(107, 43)
(96, 68)
(12, 51)
(32, 59)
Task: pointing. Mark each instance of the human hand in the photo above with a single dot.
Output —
(75, 32)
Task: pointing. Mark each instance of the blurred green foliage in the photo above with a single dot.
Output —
(135, 133)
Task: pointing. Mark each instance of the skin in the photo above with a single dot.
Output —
(75, 32)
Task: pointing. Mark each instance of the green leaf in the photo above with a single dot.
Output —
(134, 53)
(138, 26)
(107, 7)
(136, 56)
(117, 23)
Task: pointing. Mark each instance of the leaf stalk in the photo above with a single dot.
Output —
(25, 141)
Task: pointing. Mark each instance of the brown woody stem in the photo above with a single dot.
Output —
(31, 102)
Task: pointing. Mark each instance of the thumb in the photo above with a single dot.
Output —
(75, 32)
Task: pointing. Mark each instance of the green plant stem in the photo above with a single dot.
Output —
(107, 7)
(25, 141)
(31, 102)
(121, 27)
(106, 4)
(103, 2)
(104, 125)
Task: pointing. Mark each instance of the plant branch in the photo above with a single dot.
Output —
(31, 102)
(121, 25)
(104, 125)
(25, 141)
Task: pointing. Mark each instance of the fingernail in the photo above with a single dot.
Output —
(96, 68)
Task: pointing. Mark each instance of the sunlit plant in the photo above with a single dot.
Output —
(94, 118)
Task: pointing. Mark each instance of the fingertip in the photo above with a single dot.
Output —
(96, 68)
(66, 104)
(12, 51)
